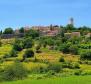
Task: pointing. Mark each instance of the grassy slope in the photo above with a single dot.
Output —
(50, 55)
(5, 49)
(67, 80)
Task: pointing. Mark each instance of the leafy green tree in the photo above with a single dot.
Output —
(21, 30)
(28, 43)
(18, 45)
(50, 41)
(84, 30)
(32, 33)
(75, 40)
(64, 48)
(70, 27)
(73, 49)
(8, 31)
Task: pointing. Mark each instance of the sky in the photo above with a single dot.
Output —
(18, 13)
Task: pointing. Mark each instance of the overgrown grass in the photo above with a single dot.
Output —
(5, 49)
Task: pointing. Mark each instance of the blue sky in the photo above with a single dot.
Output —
(17, 13)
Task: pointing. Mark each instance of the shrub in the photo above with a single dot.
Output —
(28, 54)
(13, 53)
(38, 69)
(2, 60)
(56, 67)
(71, 65)
(6, 56)
(61, 59)
(23, 43)
(38, 49)
(64, 48)
(67, 65)
(85, 55)
(76, 66)
(86, 72)
(78, 72)
(73, 49)
(28, 43)
(14, 72)
(50, 73)
(18, 45)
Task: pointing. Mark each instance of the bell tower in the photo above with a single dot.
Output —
(71, 21)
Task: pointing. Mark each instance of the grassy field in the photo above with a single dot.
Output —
(46, 55)
(64, 80)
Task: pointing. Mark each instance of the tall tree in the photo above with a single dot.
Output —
(8, 31)
(21, 30)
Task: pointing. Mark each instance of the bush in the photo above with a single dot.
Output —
(15, 71)
(85, 55)
(28, 43)
(64, 48)
(50, 73)
(71, 65)
(67, 64)
(2, 60)
(73, 49)
(38, 49)
(28, 54)
(86, 72)
(76, 66)
(56, 67)
(61, 59)
(23, 43)
(6, 56)
(13, 53)
(78, 72)
(18, 45)
(38, 70)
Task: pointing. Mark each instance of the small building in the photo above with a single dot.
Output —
(75, 34)
(88, 35)
(67, 35)
(26, 29)
(16, 31)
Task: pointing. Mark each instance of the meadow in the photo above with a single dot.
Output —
(64, 80)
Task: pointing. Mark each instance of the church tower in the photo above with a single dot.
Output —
(71, 21)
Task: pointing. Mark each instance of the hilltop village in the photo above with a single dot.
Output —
(51, 30)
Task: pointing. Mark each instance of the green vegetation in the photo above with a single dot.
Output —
(67, 80)
(8, 31)
(34, 57)
(14, 72)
